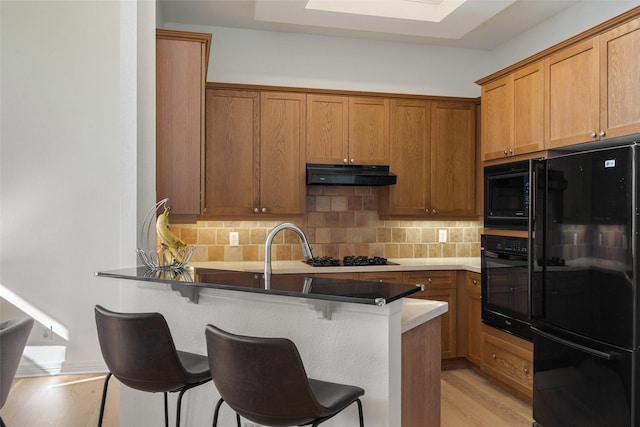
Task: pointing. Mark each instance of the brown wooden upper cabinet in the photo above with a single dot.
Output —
(579, 91)
(433, 153)
(513, 114)
(573, 95)
(593, 88)
(254, 153)
(347, 129)
(181, 70)
(619, 83)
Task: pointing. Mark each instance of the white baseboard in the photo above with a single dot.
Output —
(28, 369)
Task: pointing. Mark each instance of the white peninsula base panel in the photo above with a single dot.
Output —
(349, 343)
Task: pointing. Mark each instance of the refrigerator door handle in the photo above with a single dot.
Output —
(607, 355)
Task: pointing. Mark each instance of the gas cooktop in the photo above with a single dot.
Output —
(348, 261)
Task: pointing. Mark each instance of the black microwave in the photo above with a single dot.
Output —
(508, 195)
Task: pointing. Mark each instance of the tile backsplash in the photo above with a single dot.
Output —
(340, 220)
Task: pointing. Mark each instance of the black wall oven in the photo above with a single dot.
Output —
(507, 284)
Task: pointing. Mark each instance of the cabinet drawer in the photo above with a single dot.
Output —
(382, 276)
(435, 279)
(508, 363)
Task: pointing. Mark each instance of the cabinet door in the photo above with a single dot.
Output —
(409, 157)
(180, 76)
(497, 118)
(440, 285)
(474, 319)
(509, 360)
(453, 158)
(327, 129)
(619, 83)
(528, 109)
(282, 137)
(232, 147)
(382, 276)
(448, 332)
(573, 95)
(368, 131)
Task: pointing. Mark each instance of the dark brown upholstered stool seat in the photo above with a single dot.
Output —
(139, 351)
(264, 381)
(13, 339)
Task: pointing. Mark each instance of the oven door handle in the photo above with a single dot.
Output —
(607, 355)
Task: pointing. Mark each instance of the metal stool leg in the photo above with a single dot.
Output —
(215, 413)
(360, 412)
(166, 410)
(179, 406)
(104, 398)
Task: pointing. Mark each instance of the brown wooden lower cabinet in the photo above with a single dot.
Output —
(440, 285)
(508, 361)
(421, 365)
(474, 318)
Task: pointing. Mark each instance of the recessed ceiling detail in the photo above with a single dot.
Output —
(477, 24)
(458, 22)
(412, 10)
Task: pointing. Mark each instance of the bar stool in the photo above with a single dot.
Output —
(264, 381)
(13, 339)
(139, 351)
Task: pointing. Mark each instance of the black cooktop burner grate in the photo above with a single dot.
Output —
(347, 261)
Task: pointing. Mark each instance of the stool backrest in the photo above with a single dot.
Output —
(13, 339)
(262, 379)
(139, 350)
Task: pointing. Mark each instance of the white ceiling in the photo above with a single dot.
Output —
(476, 24)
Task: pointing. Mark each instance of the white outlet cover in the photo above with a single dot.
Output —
(233, 238)
(442, 236)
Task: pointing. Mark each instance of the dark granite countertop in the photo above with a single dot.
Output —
(189, 283)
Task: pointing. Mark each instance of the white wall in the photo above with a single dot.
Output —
(301, 60)
(68, 162)
(572, 21)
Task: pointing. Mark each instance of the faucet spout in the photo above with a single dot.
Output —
(306, 249)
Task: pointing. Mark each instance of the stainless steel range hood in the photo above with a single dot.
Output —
(323, 174)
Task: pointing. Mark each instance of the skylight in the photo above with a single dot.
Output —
(416, 10)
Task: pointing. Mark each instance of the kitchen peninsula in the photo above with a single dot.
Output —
(354, 332)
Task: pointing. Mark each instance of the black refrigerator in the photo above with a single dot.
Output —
(585, 327)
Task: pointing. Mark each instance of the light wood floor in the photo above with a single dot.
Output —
(468, 400)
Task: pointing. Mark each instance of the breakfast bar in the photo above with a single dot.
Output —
(348, 331)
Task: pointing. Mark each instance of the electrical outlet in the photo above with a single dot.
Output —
(234, 239)
(442, 236)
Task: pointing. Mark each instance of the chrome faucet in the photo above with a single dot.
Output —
(306, 249)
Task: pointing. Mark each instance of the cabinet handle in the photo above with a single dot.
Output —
(602, 133)
(593, 135)
(493, 356)
(345, 161)
(255, 210)
(510, 151)
(525, 371)
(429, 280)
(353, 161)
(428, 211)
(433, 211)
(475, 282)
(505, 152)
(264, 210)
